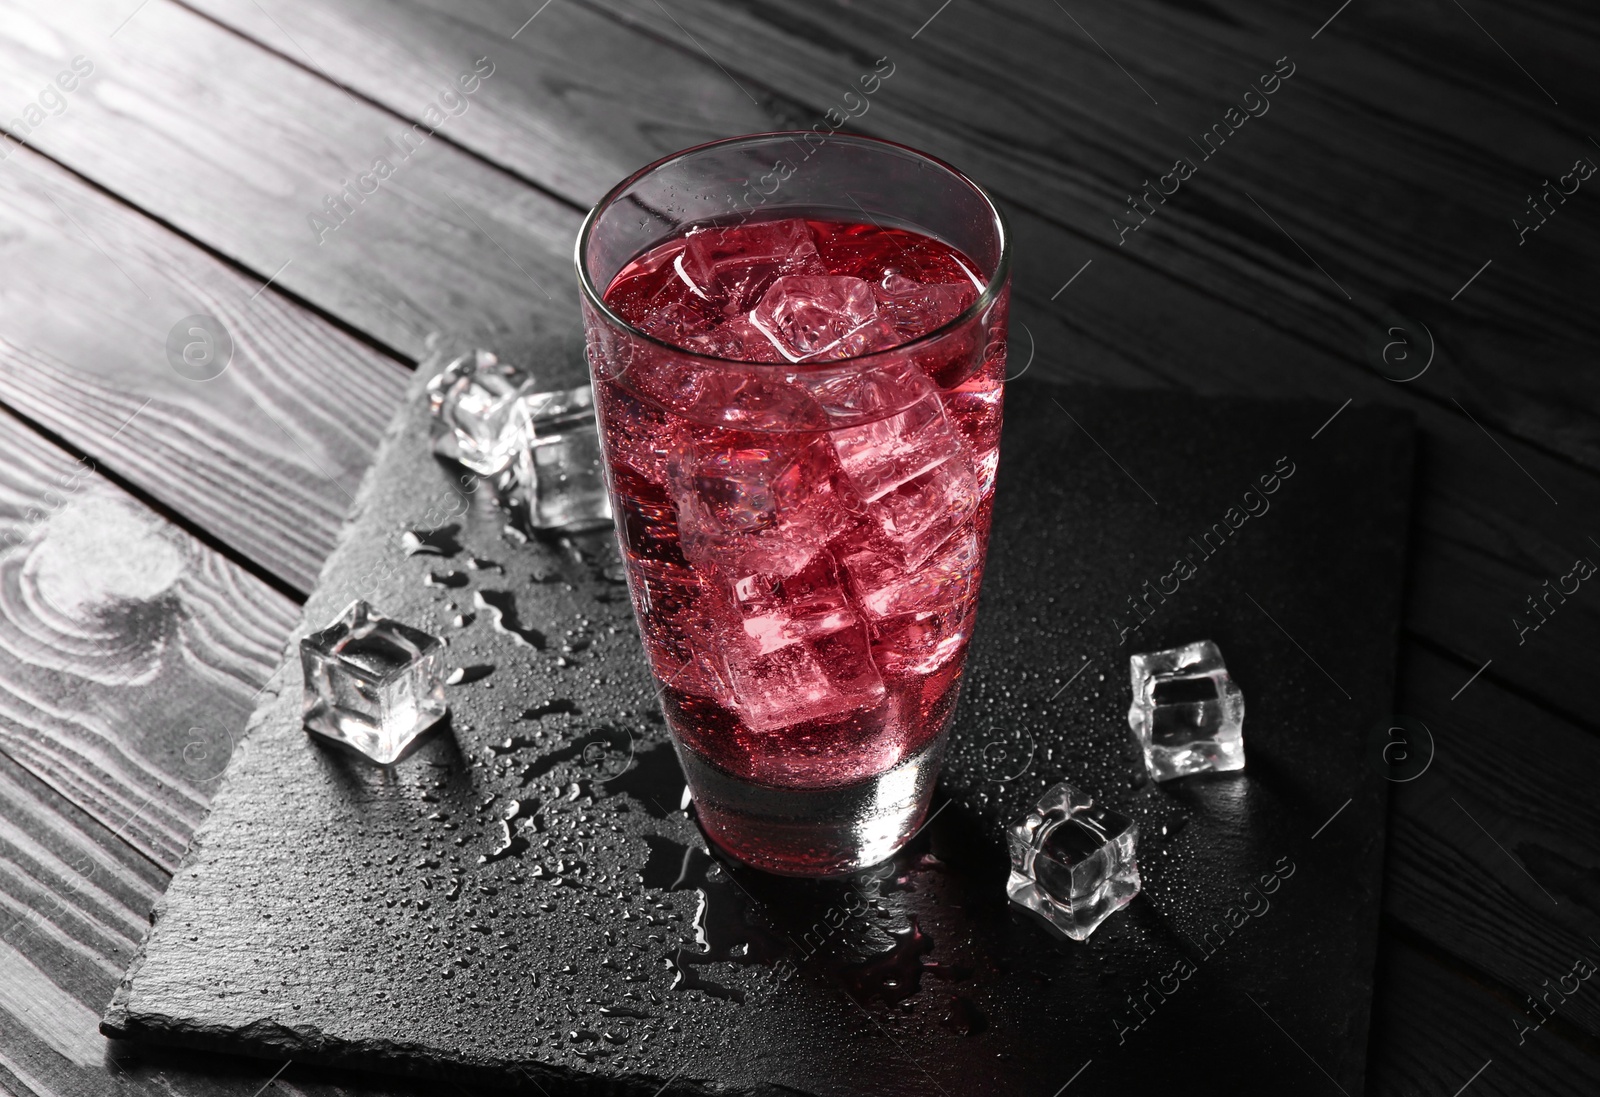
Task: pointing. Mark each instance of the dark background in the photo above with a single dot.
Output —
(162, 519)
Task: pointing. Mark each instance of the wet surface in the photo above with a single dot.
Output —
(525, 897)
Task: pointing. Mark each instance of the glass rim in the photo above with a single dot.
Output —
(991, 291)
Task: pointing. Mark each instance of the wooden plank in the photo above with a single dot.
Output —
(241, 149)
(1492, 855)
(263, 456)
(267, 456)
(129, 660)
(129, 653)
(1436, 1027)
(576, 103)
(72, 901)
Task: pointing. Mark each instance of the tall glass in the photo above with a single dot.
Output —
(803, 538)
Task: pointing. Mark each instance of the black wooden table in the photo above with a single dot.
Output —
(230, 227)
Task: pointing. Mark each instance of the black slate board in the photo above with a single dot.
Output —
(335, 912)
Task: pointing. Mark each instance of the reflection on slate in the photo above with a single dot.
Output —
(522, 898)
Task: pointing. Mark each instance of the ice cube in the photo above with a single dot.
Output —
(879, 456)
(557, 480)
(371, 682)
(849, 395)
(916, 308)
(1187, 713)
(811, 318)
(804, 654)
(919, 616)
(829, 676)
(922, 514)
(733, 270)
(684, 623)
(735, 338)
(1073, 863)
(974, 408)
(474, 406)
(781, 610)
(757, 396)
(752, 503)
(678, 311)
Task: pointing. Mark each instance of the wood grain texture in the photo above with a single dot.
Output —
(264, 456)
(240, 149)
(1495, 515)
(74, 900)
(130, 653)
(1435, 124)
(1399, 182)
(1435, 1027)
(1492, 854)
(578, 103)
(1486, 535)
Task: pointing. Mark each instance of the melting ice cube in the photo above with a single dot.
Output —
(848, 394)
(371, 682)
(1073, 863)
(553, 476)
(474, 405)
(811, 318)
(916, 470)
(916, 308)
(557, 480)
(918, 615)
(804, 654)
(733, 270)
(1187, 712)
(879, 456)
(755, 503)
(922, 514)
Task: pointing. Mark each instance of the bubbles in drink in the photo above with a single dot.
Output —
(803, 533)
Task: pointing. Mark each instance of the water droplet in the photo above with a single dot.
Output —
(431, 542)
(551, 708)
(964, 1017)
(894, 975)
(502, 606)
(468, 674)
(624, 1011)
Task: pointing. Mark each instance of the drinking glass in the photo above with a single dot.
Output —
(803, 540)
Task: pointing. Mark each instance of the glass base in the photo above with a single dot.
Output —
(814, 831)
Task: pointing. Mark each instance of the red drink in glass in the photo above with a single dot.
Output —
(801, 417)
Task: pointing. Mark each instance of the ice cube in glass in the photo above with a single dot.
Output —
(811, 318)
(476, 420)
(372, 682)
(1187, 712)
(1073, 863)
(755, 503)
(804, 654)
(731, 270)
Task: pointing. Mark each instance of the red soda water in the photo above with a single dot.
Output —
(803, 532)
